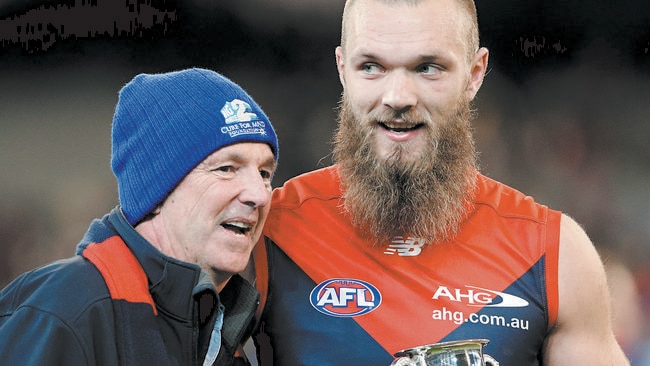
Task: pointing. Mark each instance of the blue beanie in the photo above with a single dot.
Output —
(166, 124)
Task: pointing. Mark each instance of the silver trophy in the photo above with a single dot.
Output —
(467, 352)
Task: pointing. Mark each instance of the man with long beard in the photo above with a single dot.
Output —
(423, 192)
(403, 243)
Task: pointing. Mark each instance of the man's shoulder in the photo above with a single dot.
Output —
(321, 184)
(506, 200)
(64, 289)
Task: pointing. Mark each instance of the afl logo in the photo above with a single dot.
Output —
(343, 297)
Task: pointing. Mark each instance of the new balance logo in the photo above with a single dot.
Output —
(237, 111)
(405, 247)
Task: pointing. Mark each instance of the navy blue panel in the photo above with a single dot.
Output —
(323, 340)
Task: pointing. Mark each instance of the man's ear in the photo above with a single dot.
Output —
(478, 68)
(338, 52)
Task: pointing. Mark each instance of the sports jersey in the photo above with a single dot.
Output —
(335, 299)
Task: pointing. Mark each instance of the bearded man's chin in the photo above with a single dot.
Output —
(426, 197)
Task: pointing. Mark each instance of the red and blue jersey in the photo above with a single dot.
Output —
(335, 299)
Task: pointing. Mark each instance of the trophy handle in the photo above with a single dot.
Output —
(489, 360)
(408, 361)
(471, 350)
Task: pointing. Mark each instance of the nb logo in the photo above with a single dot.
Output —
(405, 247)
(237, 111)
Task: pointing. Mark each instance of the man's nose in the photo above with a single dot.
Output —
(255, 190)
(399, 93)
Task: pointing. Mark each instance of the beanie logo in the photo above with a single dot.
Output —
(240, 120)
(237, 111)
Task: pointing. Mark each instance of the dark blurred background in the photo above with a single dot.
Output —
(563, 113)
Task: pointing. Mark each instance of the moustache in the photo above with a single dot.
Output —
(389, 117)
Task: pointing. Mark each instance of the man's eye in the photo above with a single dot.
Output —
(370, 68)
(224, 169)
(266, 174)
(429, 69)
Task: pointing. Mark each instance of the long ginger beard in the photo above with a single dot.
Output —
(425, 197)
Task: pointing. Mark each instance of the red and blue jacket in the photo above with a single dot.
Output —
(120, 301)
(334, 299)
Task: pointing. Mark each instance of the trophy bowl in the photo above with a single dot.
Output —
(467, 352)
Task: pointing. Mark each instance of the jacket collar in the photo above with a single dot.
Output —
(174, 284)
(171, 282)
(169, 276)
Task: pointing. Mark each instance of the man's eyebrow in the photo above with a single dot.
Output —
(367, 55)
(271, 163)
(423, 58)
(236, 157)
(432, 58)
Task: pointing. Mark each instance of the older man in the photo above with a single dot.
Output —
(155, 282)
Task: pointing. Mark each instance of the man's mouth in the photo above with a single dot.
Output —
(400, 127)
(238, 227)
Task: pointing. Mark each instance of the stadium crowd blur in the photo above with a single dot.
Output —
(563, 112)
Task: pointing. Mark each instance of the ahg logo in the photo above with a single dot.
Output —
(476, 296)
(342, 297)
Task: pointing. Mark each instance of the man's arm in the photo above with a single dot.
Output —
(583, 332)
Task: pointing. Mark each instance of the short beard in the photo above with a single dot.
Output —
(425, 198)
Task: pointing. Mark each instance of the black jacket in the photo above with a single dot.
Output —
(64, 314)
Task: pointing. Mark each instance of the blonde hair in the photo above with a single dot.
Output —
(472, 33)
